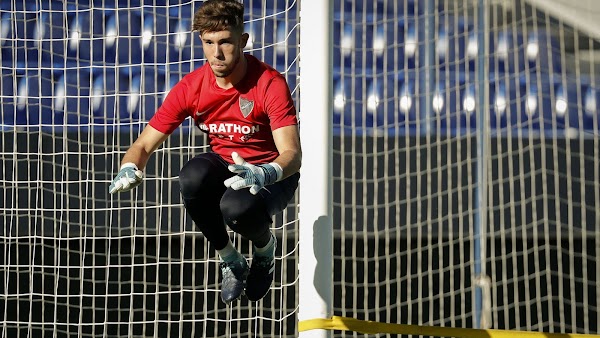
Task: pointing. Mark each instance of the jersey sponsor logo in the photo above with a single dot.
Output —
(246, 106)
(230, 131)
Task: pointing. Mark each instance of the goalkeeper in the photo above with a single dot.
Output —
(251, 172)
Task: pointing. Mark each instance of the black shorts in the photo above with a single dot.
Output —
(211, 204)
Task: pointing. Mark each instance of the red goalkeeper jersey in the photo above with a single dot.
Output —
(240, 118)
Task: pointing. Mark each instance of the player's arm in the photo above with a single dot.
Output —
(135, 159)
(280, 108)
(173, 111)
(256, 177)
(139, 152)
(287, 141)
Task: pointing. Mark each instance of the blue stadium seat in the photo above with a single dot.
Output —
(27, 89)
(105, 37)
(86, 37)
(591, 101)
(6, 40)
(18, 43)
(34, 98)
(353, 111)
(398, 9)
(259, 8)
(18, 6)
(123, 38)
(507, 52)
(452, 45)
(138, 94)
(50, 92)
(409, 45)
(458, 115)
(535, 105)
(186, 46)
(340, 95)
(155, 29)
(182, 11)
(399, 103)
(292, 79)
(6, 6)
(388, 43)
(52, 38)
(446, 103)
(503, 103)
(568, 111)
(542, 52)
(107, 95)
(152, 87)
(130, 112)
(287, 40)
(129, 43)
(361, 49)
(114, 3)
(77, 83)
(8, 109)
(374, 11)
(375, 48)
(262, 39)
(142, 95)
(157, 3)
(515, 106)
(348, 105)
(343, 44)
(374, 104)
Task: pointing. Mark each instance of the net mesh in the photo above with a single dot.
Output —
(80, 79)
(466, 164)
(466, 169)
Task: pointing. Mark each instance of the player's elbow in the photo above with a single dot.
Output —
(296, 163)
(299, 158)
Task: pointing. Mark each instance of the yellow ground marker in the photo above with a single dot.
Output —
(370, 327)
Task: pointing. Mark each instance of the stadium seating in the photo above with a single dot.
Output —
(9, 116)
(591, 99)
(259, 8)
(77, 84)
(456, 45)
(109, 61)
(542, 51)
(155, 37)
(376, 11)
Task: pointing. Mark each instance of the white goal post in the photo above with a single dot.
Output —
(315, 289)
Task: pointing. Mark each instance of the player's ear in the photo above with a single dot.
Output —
(244, 41)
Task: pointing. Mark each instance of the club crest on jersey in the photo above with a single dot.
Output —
(246, 106)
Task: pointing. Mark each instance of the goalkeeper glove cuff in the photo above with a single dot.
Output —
(272, 171)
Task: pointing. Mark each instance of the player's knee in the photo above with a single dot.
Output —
(236, 215)
(193, 178)
(240, 215)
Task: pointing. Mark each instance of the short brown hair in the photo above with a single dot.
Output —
(218, 15)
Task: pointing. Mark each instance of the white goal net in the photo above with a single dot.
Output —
(79, 81)
(466, 168)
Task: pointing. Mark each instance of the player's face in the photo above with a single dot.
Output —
(223, 50)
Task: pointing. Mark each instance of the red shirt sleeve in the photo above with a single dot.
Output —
(174, 109)
(279, 104)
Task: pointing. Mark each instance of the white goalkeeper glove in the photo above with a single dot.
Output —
(129, 177)
(252, 176)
